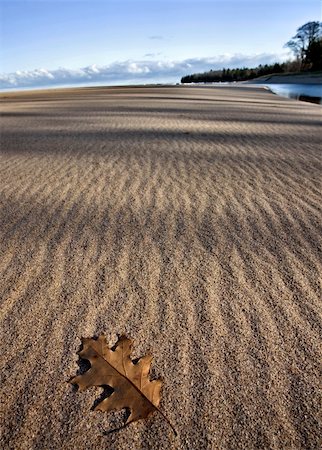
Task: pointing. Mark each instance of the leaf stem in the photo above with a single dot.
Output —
(165, 418)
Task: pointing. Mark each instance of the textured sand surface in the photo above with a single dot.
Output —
(187, 218)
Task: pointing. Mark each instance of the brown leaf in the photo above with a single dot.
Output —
(131, 384)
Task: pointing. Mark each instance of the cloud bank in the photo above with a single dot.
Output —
(127, 72)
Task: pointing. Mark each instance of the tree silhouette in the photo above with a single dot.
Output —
(314, 55)
(305, 44)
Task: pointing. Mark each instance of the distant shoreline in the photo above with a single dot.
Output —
(298, 78)
(299, 86)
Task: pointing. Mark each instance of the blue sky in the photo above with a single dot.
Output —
(48, 42)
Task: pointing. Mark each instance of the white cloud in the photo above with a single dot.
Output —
(152, 55)
(156, 37)
(130, 71)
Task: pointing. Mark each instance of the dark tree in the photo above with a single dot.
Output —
(314, 55)
(303, 44)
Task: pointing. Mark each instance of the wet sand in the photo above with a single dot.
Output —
(188, 218)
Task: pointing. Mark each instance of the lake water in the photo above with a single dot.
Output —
(306, 92)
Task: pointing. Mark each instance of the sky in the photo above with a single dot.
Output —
(47, 43)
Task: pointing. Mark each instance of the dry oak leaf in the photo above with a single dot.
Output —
(130, 381)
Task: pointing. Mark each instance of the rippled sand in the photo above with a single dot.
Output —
(188, 219)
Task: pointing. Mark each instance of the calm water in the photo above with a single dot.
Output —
(306, 92)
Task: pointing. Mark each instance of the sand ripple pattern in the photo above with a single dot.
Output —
(187, 218)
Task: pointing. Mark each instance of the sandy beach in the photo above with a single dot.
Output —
(187, 218)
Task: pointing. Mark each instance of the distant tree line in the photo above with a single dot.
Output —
(306, 46)
(239, 74)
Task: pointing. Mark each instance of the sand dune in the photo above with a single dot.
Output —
(186, 218)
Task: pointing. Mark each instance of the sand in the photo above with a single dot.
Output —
(187, 218)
